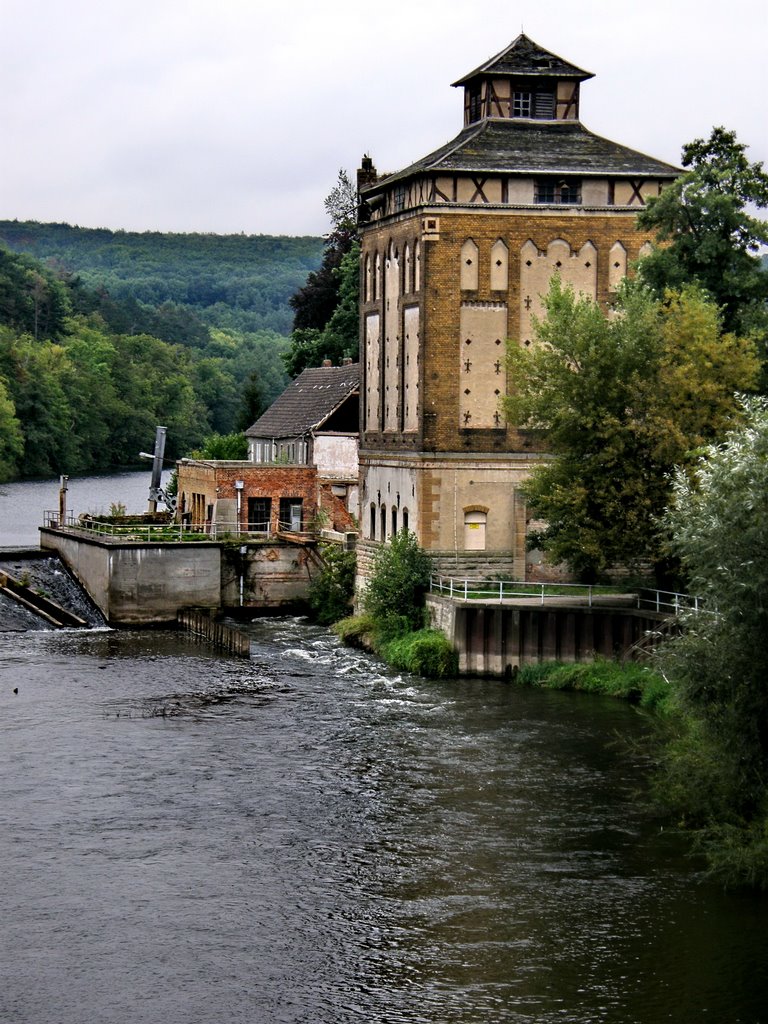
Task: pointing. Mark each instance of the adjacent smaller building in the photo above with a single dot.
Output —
(302, 470)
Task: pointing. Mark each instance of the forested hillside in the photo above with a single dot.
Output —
(236, 281)
(108, 334)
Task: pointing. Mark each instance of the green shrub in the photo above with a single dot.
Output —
(331, 591)
(426, 652)
(398, 583)
(355, 630)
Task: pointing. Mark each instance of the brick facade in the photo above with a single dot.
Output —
(457, 252)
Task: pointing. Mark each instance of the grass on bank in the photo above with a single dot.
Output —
(631, 681)
(423, 652)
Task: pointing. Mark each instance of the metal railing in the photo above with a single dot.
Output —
(661, 601)
(166, 532)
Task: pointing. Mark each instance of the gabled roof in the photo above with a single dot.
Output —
(307, 402)
(523, 147)
(525, 58)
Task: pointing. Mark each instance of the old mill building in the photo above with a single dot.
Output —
(457, 250)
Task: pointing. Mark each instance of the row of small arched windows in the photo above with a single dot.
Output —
(381, 525)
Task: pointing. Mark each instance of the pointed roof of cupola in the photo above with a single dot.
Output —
(524, 58)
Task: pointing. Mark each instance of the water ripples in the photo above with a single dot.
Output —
(307, 837)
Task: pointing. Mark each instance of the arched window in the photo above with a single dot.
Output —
(405, 520)
(383, 523)
(394, 520)
(372, 534)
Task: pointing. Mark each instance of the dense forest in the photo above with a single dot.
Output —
(105, 334)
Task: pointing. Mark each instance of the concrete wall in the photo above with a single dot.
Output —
(146, 584)
(493, 639)
(140, 584)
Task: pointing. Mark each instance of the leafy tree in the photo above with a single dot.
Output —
(332, 589)
(713, 240)
(340, 336)
(11, 437)
(32, 300)
(621, 400)
(341, 203)
(325, 323)
(397, 585)
(229, 447)
(715, 767)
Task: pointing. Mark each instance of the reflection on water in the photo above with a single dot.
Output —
(309, 838)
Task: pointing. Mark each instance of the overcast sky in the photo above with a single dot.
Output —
(236, 115)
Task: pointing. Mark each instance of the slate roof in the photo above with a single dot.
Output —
(524, 58)
(524, 147)
(307, 401)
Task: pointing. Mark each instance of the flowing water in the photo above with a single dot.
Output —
(308, 837)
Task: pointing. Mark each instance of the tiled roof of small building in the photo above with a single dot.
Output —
(307, 401)
(525, 147)
(525, 58)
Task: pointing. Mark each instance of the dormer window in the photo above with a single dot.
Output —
(539, 105)
(552, 190)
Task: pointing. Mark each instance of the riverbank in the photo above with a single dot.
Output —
(632, 681)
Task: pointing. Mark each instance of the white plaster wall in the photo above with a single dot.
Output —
(382, 485)
(336, 456)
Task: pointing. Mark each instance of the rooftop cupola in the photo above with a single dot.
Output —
(523, 82)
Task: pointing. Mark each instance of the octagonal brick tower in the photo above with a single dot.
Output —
(457, 250)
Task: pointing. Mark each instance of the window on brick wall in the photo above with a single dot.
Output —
(259, 515)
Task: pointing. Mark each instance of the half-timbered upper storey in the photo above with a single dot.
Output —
(522, 145)
(523, 81)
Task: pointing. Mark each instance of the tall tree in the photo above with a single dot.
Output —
(711, 237)
(325, 323)
(715, 764)
(621, 400)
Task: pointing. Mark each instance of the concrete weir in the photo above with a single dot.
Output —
(135, 584)
(495, 638)
(146, 583)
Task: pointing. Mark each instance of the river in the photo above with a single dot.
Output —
(309, 837)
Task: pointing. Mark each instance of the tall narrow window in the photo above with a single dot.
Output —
(372, 534)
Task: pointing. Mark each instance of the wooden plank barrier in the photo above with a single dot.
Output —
(201, 624)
